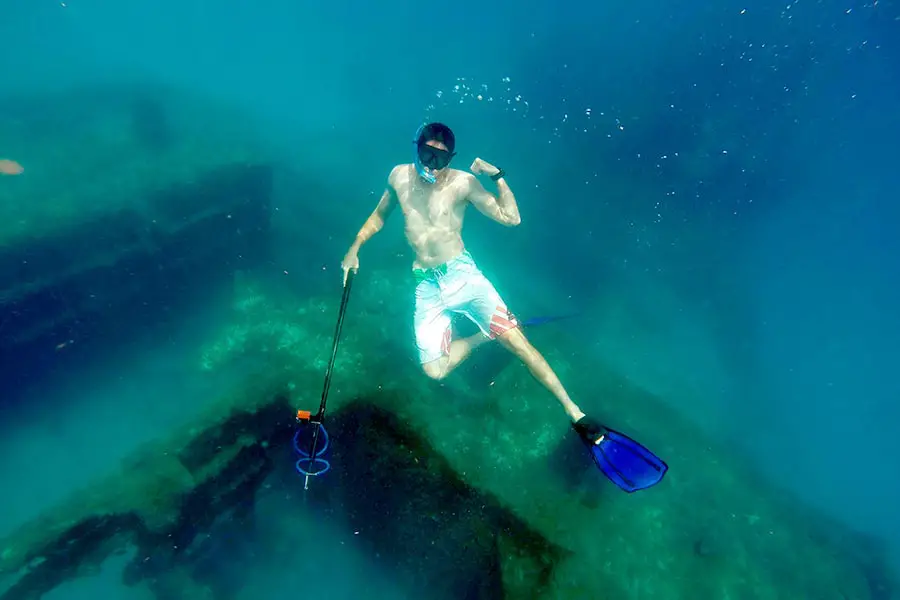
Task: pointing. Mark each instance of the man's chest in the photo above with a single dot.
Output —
(432, 206)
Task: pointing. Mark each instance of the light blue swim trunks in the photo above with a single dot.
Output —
(457, 287)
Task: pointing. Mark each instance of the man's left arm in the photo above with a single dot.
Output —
(502, 207)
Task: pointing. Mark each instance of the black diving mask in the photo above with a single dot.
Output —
(433, 158)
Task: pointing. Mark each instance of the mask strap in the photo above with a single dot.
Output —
(420, 168)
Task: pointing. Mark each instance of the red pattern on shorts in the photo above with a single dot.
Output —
(502, 321)
(445, 342)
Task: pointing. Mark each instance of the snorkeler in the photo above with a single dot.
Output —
(433, 197)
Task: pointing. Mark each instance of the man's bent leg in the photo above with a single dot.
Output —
(459, 350)
(516, 342)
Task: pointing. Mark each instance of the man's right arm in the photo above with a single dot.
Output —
(372, 226)
(376, 220)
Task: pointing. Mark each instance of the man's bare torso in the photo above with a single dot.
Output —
(432, 213)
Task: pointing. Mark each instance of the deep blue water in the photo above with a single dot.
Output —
(763, 137)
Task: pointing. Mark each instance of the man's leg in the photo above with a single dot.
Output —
(479, 300)
(438, 352)
(516, 342)
(458, 351)
(432, 328)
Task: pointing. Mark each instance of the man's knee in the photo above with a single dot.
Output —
(515, 341)
(436, 369)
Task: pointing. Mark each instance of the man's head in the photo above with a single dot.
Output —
(435, 145)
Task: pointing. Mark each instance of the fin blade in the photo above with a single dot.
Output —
(626, 463)
(534, 321)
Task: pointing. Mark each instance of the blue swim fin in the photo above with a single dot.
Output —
(533, 321)
(624, 461)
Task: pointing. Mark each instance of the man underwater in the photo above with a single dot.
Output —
(433, 198)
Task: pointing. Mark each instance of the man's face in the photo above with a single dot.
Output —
(434, 156)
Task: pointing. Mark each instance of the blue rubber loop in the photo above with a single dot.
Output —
(309, 461)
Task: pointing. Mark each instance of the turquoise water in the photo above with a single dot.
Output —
(710, 187)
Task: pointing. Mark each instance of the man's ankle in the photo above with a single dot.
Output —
(576, 415)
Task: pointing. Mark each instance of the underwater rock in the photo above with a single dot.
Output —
(436, 533)
(124, 271)
(78, 550)
(441, 536)
(164, 516)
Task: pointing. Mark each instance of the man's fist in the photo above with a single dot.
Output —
(350, 263)
(481, 167)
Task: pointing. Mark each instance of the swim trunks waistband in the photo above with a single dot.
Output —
(421, 274)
